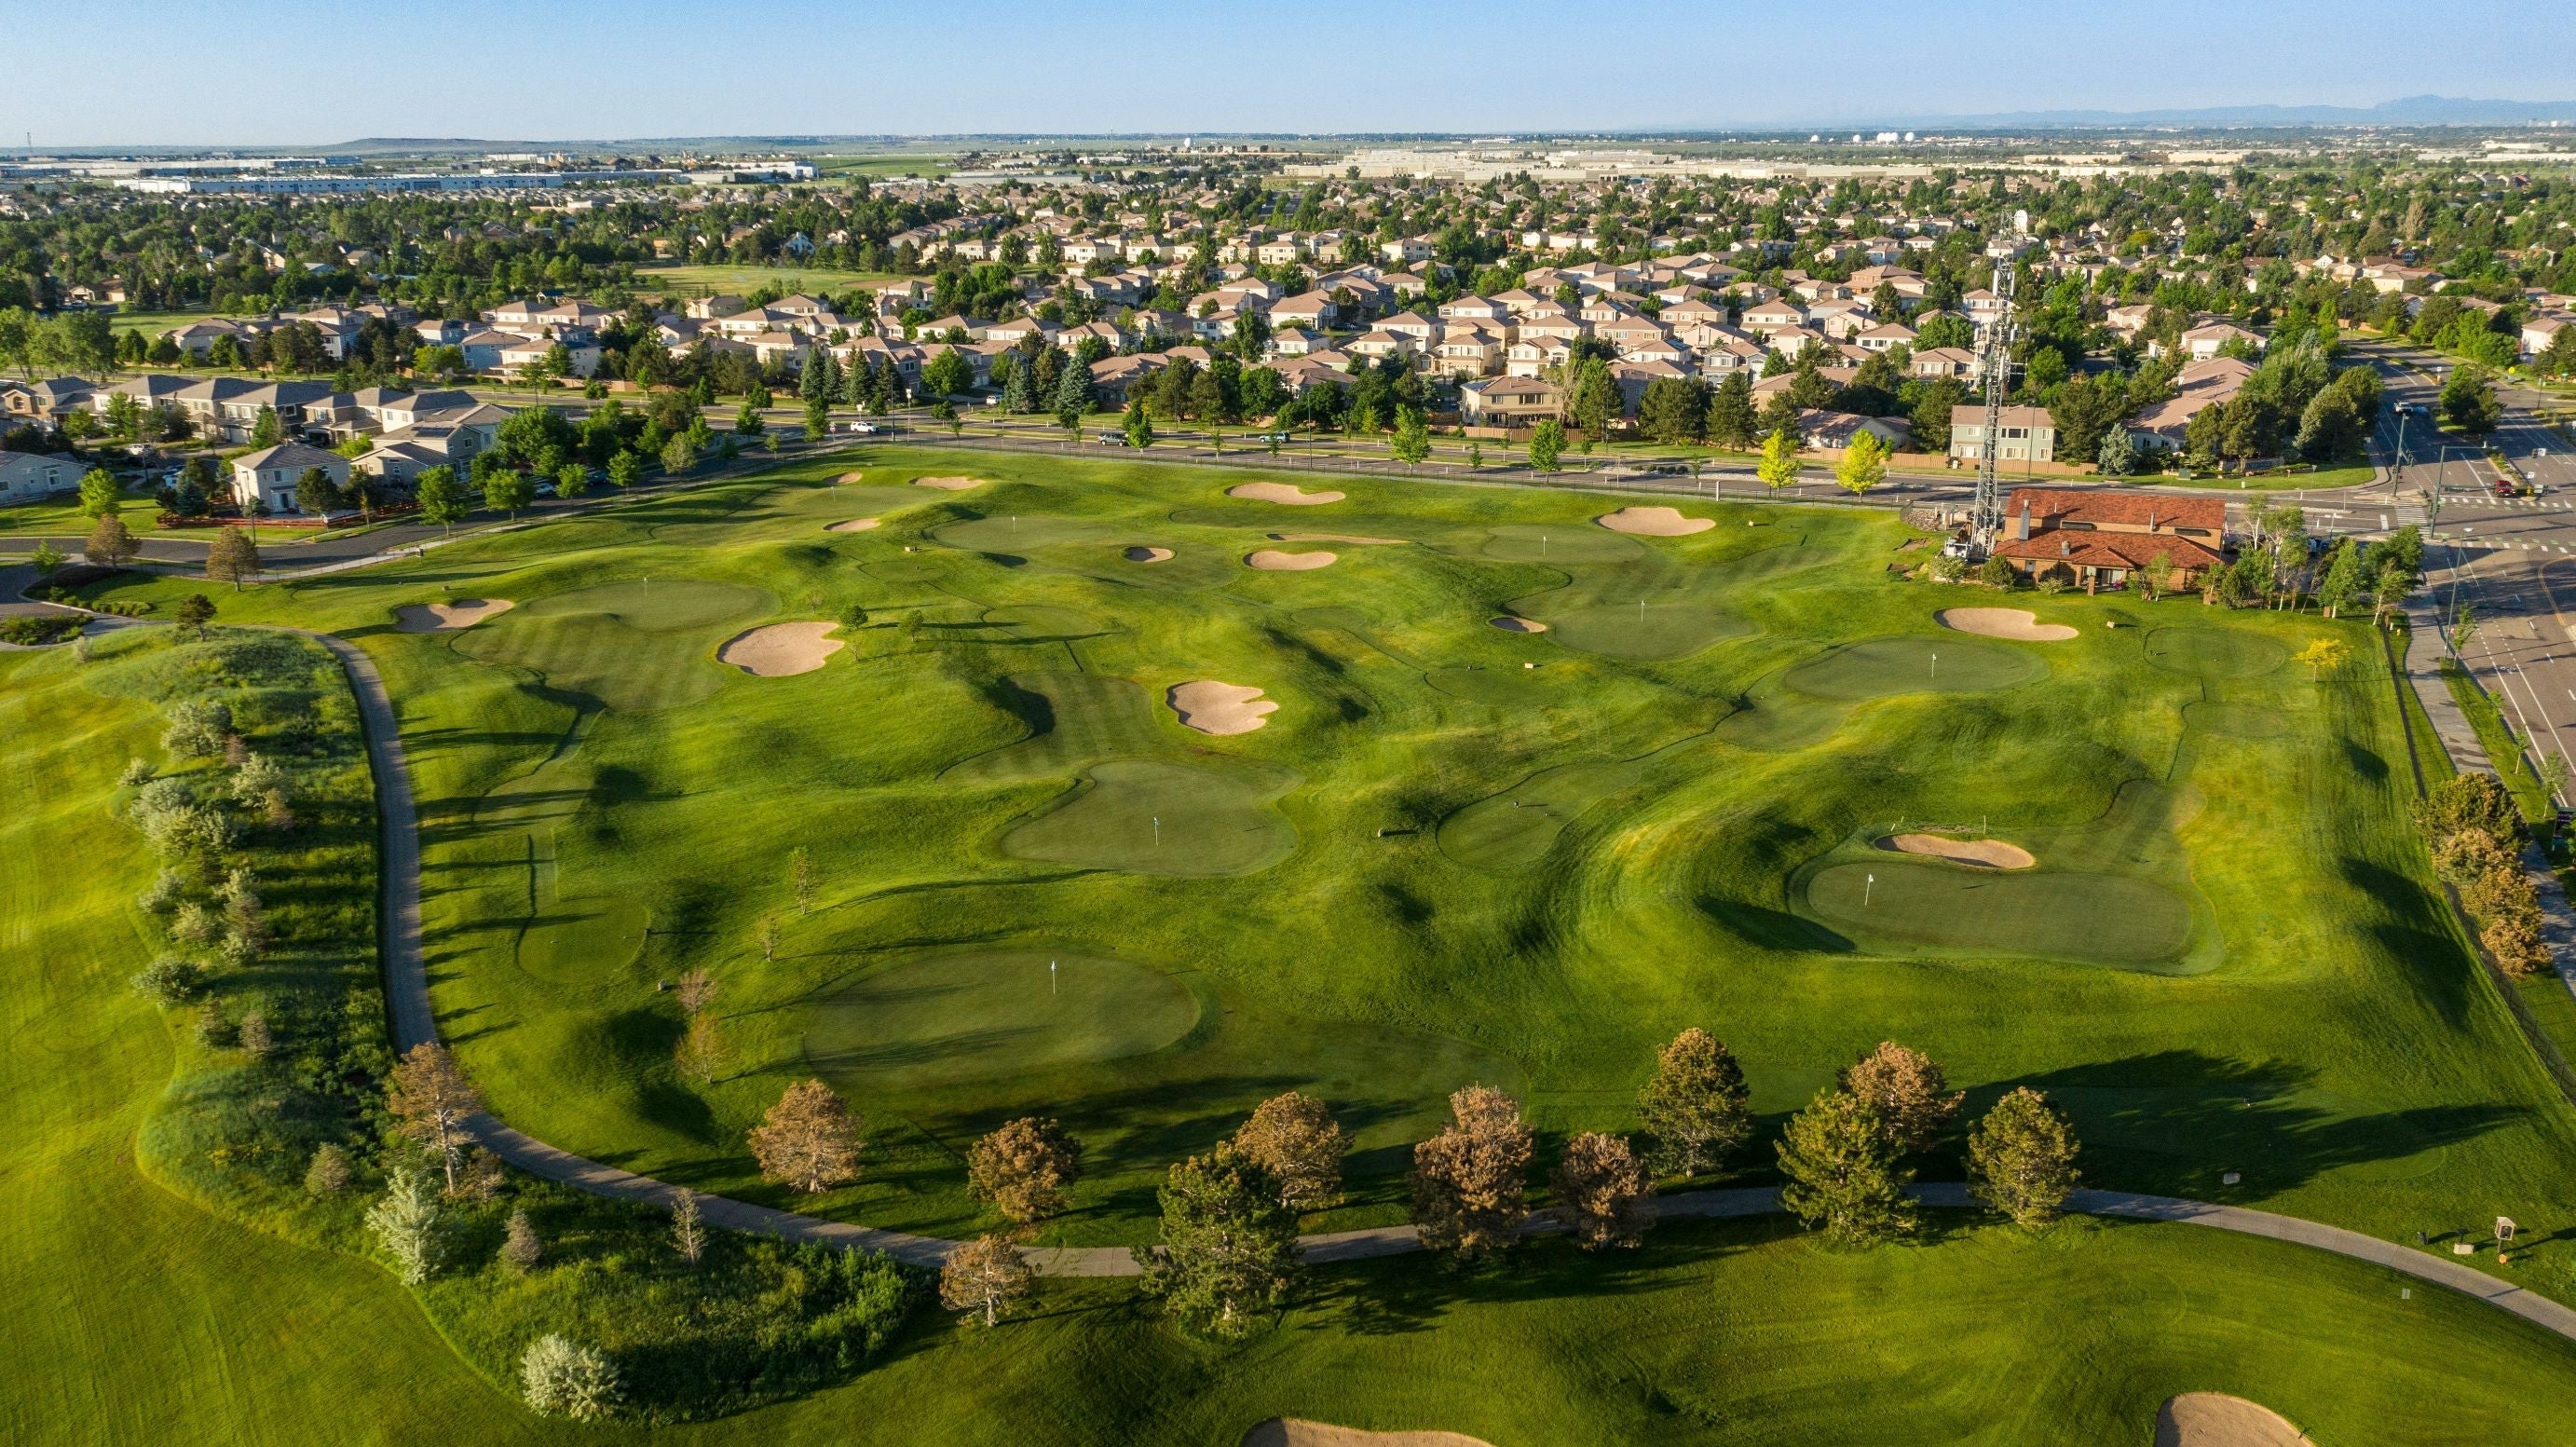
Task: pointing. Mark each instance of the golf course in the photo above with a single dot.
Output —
(1079, 789)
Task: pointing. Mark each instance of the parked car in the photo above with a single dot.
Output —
(1112, 439)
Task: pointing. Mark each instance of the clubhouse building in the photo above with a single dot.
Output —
(2097, 537)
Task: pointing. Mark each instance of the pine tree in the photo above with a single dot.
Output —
(2021, 1159)
(1228, 1253)
(561, 1379)
(1695, 1108)
(520, 1249)
(1019, 394)
(430, 1097)
(1730, 412)
(1841, 1171)
(1073, 394)
(407, 1222)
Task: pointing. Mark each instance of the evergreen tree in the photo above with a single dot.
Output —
(1696, 1107)
(2021, 1159)
(1841, 1172)
(1228, 1254)
(1073, 397)
(1730, 412)
(231, 558)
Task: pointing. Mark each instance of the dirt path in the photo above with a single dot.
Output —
(415, 1020)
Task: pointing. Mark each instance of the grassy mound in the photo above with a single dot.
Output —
(938, 1021)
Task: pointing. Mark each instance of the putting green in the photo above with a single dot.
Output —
(1008, 536)
(1662, 629)
(1879, 667)
(1568, 543)
(1514, 830)
(2215, 652)
(629, 646)
(1147, 816)
(2102, 918)
(938, 1021)
(1501, 687)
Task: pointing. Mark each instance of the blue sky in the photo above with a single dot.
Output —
(254, 72)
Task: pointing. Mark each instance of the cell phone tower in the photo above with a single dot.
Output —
(1994, 374)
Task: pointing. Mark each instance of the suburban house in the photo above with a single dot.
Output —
(2024, 434)
(1510, 402)
(2096, 537)
(28, 476)
(45, 401)
(264, 481)
(2201, 385)
(1823, 430)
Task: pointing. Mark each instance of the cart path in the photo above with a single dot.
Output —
(415, 1022)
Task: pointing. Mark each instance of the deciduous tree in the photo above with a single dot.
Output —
(111, 545)
(1024, 1168)
(432, 1100)
(520, 1248)
(985, 1277)
(1863, 465)
(1603, 1191)
(809, 1140)
(1296, 1139)
(1904, 1089)
(1468, 1193)
(1779, 465)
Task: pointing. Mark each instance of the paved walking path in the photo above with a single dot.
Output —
(416, 1022)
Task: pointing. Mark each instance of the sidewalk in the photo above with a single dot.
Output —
(2460, 741)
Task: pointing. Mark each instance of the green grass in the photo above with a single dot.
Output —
(2503, 749)
(134, 1316)
(1545, 870)
(929, 167)
(718, 278)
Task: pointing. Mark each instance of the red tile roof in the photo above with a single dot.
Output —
(2051, 506)
(2110, 550)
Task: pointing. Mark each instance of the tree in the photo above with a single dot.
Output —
(1903, 1088)
(2330, 427)
(265, 431)
(2323, 656)
(1412, 436)
(407, 1223)
(986, 1275)
(1296, 1139)
(47, 558)
(100, 493)
(1841, 1171)
(1468, 1193)
(2468, 400)
(1863, 466)
(562, 1379)
(1696, 1107)
(232, 557)
(441, 496)
(747, 421)
(702, 1050)
(1730, 412)
(2021, 1159)
(329, 1172)
(1547, 443)
(2119, 455)
(571, 480)
(316, 493)
(625, 469)
(507, 490)
(1228, 1251)
(111, 545)
(1072, 395)
(688, 1228)
(520, 1248)
(1603, 1191)
(1024, 1168)
(1595, 398)
(809, 1140)
(432, 1100)
(1674, 410)
(1779, 465)
(679, 455)
(1138, 424)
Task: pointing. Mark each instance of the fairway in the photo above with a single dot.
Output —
(630, 646)
(1882, 666)
(1148, 816)
(938, 1021)
(2215, 652)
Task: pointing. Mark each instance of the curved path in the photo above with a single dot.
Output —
(415, 1022)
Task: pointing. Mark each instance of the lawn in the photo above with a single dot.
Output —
(1430, 852)
(715, 278)
(1014, 654)
(881, 168)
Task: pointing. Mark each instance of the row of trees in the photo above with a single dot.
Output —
(2477, 837)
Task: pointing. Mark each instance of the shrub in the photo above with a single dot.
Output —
(170, 980)
(198, 728)
(330, 1172)
(561, 1378)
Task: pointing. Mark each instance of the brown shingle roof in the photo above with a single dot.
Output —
(2050, 506)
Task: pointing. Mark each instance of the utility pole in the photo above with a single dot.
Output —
(1994, 373)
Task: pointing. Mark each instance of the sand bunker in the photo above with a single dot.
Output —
(1271, 560)
(1336, 538)
(948, 484)
(1520, 625)
(2214, 1419)
(849, 477)
(1291, 1432)
(1219, 708)
(781, 649)
(1654, 522)
(854, 525)
(1149, 555)
(448, 617)
(2016, 623)
(1282, 492)
(1983, 853)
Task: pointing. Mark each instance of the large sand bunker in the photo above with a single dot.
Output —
(1219, 708)
(948, 484)
(781, 649)
(1142, 554)
(1281, 492)
(1271, 560)
(1336, 538)
(849, 477)
(2019, 624)
(1654, 522)
(1520, 625)
(2214, 1419)
(854, 525)
(448, 617)
(1292, 1432)
(1983, 853)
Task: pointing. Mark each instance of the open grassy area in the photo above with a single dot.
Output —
(2229, 958)
(715, 278)
(2504, 750)
(928, 167)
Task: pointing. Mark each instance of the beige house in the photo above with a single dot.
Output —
(264, 481)
(2022, 434)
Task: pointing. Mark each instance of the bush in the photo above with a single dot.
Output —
(32, 630)
(561, 1378)
(170, 980)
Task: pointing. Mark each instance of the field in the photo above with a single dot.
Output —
(717, 278)
(1456, 853)
(928, 167)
